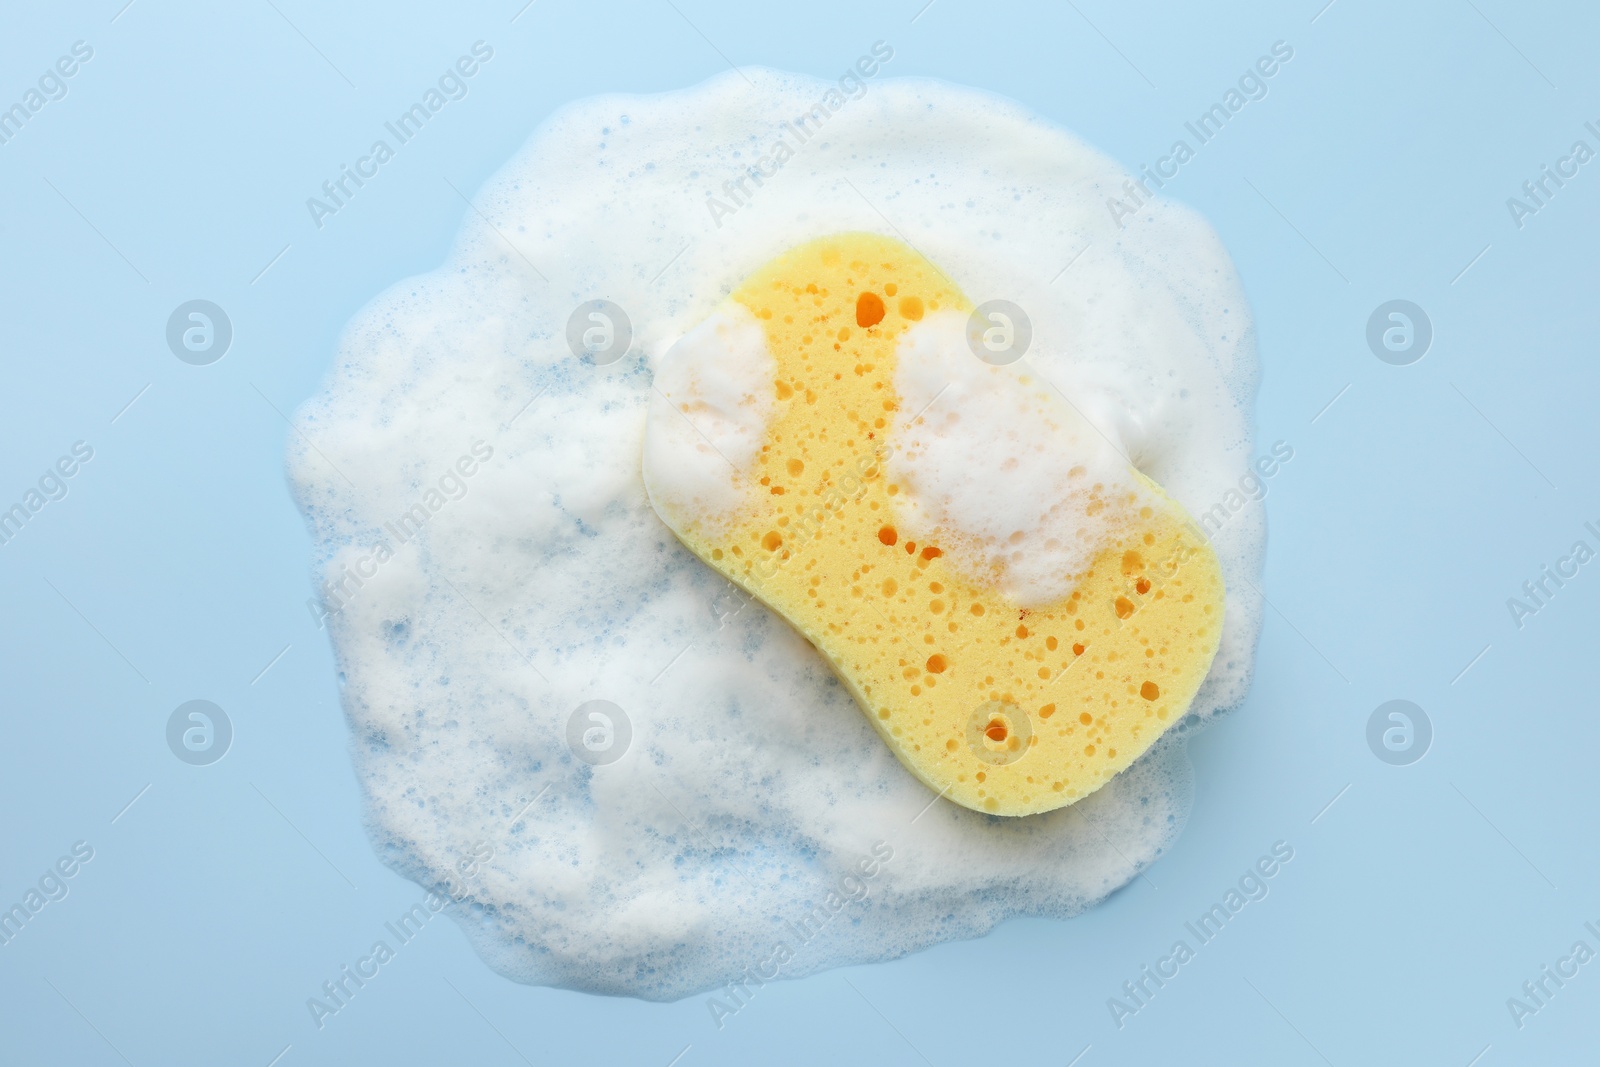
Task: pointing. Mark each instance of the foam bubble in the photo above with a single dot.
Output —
(1022, 489)
(713, 401)
(752, 785)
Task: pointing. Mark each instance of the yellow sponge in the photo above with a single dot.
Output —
(1001, 709)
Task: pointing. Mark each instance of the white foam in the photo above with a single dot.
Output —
(997, 467)
(752, 784)
(713, 399)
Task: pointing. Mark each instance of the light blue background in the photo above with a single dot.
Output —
(1414, 906)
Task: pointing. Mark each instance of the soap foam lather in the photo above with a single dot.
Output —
(1055, 488)
(752, 783)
